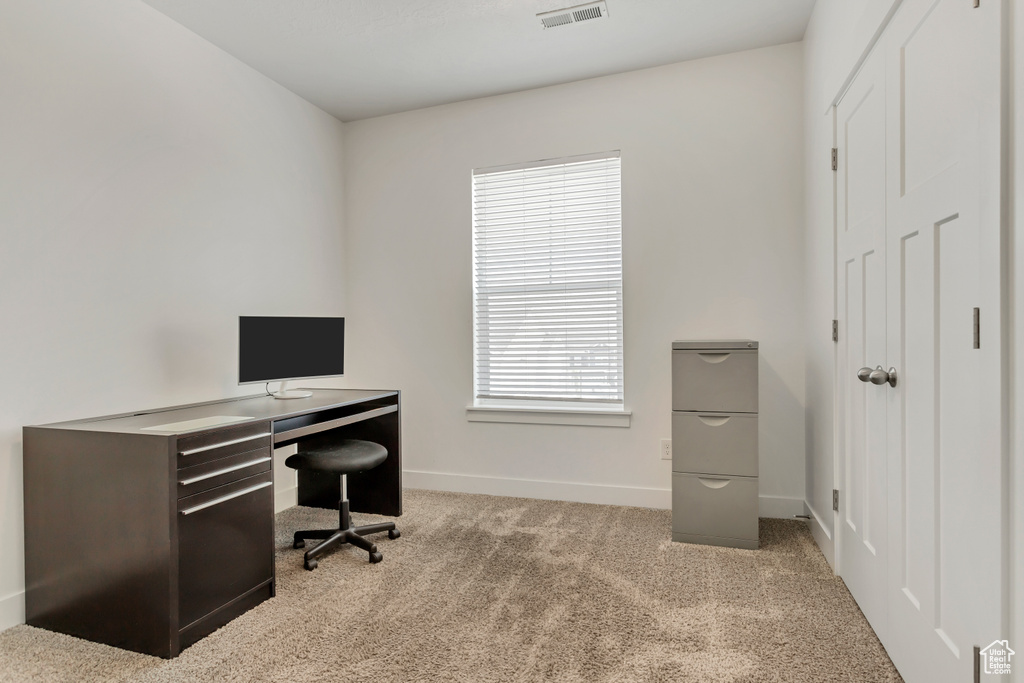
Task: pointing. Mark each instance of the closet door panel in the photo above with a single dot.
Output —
(861, 173)
(944, 429)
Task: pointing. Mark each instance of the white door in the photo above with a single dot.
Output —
(860, 192)
(944, 415)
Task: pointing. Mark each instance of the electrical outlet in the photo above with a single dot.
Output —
(666, 449)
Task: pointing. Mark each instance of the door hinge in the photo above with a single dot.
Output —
(835, 159)
(977, 3)
(835, 330)
(977, 328)
(835, 500)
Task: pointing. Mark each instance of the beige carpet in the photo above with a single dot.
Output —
(480, 588)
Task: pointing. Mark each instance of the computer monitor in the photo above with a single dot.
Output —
(279, 349)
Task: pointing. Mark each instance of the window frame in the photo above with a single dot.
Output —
(546, 410)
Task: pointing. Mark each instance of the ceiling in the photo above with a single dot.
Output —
(363, 58)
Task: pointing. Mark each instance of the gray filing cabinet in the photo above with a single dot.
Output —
(714, 442)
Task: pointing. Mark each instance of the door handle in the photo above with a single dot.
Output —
(877, 376)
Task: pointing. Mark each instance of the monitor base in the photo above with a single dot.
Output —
(292, 393)
(285, 392)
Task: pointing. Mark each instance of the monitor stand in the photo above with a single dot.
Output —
(284, 392)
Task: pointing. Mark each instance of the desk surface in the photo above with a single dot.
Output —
(259, 407)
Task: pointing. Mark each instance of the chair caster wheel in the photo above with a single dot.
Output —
(310, 565)
(394, 533)
(299, 543)
(375, 558)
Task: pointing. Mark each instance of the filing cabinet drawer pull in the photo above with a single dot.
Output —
(203, 449)
(713, 483)
(713, 357)
(224, 499)
(714, 420)
(211, 475)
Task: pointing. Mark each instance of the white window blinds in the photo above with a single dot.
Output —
(547, 267)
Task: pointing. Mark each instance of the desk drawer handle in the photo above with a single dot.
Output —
(226, 443)
(218, 501)
(211, 475)
(713, 483)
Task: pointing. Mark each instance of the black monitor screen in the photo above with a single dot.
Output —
(272, 349)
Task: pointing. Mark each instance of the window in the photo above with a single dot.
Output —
(547, 269)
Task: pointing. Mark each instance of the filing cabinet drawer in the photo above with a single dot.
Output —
(715, 443)
(208, 446)
(715, 380)
(208, 475)
(714, 506)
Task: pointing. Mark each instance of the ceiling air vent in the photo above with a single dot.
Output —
(574, 15)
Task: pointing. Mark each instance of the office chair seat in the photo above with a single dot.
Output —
(345, 456)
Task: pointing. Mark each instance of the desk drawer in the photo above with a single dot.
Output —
(225, 545)
(214, 473)
(202, 448)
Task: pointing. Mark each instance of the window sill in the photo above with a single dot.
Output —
(587, 417)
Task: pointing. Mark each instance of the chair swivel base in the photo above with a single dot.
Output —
(346, 533)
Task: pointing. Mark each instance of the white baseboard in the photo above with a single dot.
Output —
(822, 535)
(286, 498)
(602, 494)
(12, 610)
(779, 507)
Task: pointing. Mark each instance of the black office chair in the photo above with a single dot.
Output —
(346, 456)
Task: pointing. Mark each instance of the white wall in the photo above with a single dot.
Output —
(712, 167)
(152, 188)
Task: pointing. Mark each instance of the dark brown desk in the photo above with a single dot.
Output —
(149, 530)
